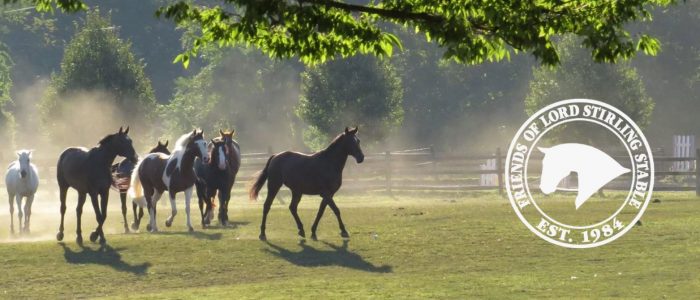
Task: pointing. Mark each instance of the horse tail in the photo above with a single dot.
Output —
(135, 188)
(260, 179)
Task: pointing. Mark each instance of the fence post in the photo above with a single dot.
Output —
(387, 159)
(499, 170)
(697, 172)
(434, 162)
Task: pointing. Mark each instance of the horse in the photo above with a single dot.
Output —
(121, 177)
(218, 175)
(320, 173)
(594, 168)
(21, 180)
(158, 172)
(88, 172)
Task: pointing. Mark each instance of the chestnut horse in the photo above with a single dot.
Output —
(88, 172)
(158, 172)
(320, 173)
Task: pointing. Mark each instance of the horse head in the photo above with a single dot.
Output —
(594, 168)
(161, 148)
(218, 154)
(24, 157)
(352, 144)
(121, 144)
(197, 145)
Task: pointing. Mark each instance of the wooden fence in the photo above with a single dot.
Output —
(426, 169)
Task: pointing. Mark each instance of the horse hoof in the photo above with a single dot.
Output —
(344, 234)
(313, 237)
(103, 241)
(302, 233)
(148, 227)
(79, 240)
(262, 237)
(93, 236)
(134, 226)
(190, 229)
(59, 236)
(168, 223)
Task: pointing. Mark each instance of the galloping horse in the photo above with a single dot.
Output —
(218, 176)
(121, 177)
(88, 172)
(21, 180)
(320, 173)
(158, 172)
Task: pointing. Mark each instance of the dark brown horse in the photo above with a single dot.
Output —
(157, 173)
(218, 176)
(121, 177)
(88, 172)
(320, 173)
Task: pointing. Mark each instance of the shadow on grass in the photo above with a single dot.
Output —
(196, 234)
(104, 255)
(231, 225)
(337, 256)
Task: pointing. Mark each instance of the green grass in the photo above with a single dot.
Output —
(415, 245)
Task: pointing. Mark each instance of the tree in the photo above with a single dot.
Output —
(241, 89)
(360, 90)
(469, 31)
(6, 119)
(99, 78)
(580, 77)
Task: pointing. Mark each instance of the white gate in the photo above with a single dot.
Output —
(683, 146)
(489, 179)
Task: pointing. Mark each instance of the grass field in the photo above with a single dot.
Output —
(407, 246)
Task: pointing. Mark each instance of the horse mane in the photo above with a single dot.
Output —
(106, 139)
(180, 146)
(334, 143)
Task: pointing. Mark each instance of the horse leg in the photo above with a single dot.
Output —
(153, 211)
(173, 213)
(63, 191)
(122, 197)
(28, 212)
(98, 216)
(321, 209)
(224, 197)
(296, 198)
(336, 211)
(273, 186)
(79, 212)
(11, 198)
(18, 200)
(188, 197)
(137, 217)
(104, 200)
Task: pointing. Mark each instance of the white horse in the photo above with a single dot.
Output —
(21, 180)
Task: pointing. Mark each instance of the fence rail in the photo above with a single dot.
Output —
(426, 169)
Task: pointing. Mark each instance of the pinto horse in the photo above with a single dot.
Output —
(121, 177)
(320, 173)
(218, 176)
(158, 172)
(88, 172)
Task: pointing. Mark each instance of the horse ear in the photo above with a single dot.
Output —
(121, 129)
(221, 132)
(127, 130)
(354, 130)
(543, 150)
(347, 129)
(166, 143)
(233, 131)
(19, 153)
(194, 132)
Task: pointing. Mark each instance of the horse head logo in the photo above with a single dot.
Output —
(595, 169)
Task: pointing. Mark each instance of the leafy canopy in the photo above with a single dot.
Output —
(469, 31)
(360, 90)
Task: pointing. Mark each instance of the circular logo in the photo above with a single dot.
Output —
(563, 158)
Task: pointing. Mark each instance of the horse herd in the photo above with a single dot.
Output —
(209, 167)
